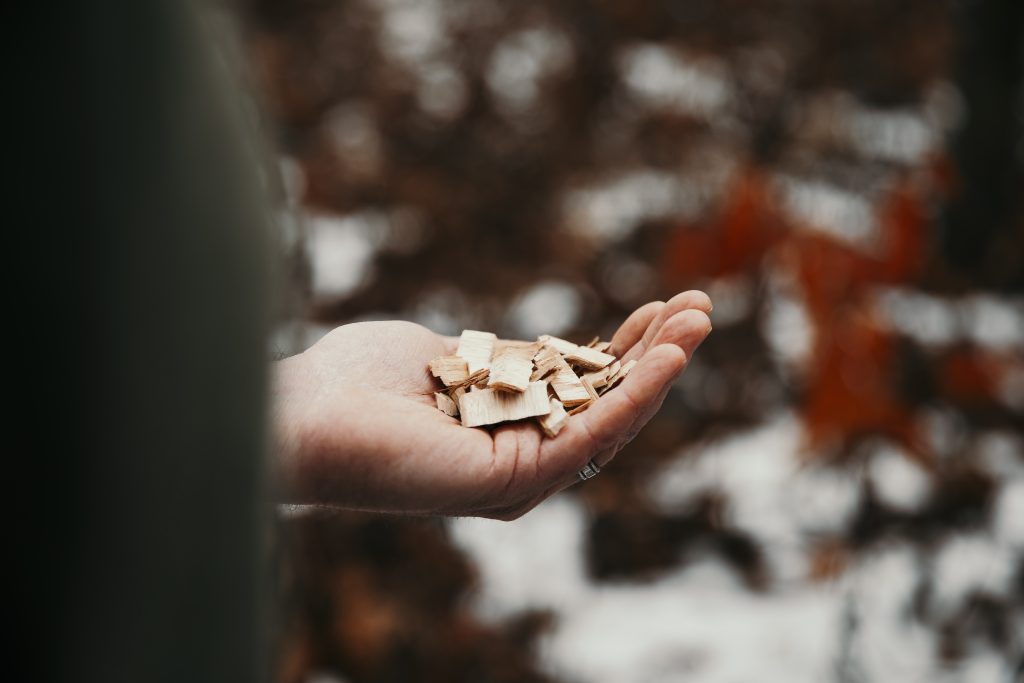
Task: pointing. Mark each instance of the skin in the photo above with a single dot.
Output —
(357, 427)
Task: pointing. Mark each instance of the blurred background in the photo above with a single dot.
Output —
(834, 491)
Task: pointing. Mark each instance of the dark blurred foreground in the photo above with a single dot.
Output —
(835, 491)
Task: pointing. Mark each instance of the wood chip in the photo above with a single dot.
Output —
(478, 377)
(620, 375)
(476, 347)
(590, 359)
(546, 360)
(581, 407)
(613, 369)
(610, 371)
(555, 421)
(624, 370)
(598, 379)
(504, 344)
(449, 369)
(492, 380)
(489, 406)
(446, 405)
(567, 386)
(563, 346)
(511, 368)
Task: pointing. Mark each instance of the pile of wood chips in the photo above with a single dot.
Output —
(490, 380)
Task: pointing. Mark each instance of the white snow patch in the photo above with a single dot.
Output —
(826, 208)
(693, 627)
(994, 323)
(929, 320)
(548, 307)
(733, 298)
(536, 561)
(521, 62)
(823, 499)
(611, 210)
(786, 326)
(1008, 515)
(340, 254)
(965, 564)
(899, 482)
(885, 644)
(755, 471)
(663, 78)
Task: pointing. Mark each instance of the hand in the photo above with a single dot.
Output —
(357, 425)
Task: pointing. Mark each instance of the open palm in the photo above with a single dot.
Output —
(358, 428)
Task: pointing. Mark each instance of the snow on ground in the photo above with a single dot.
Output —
(699, 624)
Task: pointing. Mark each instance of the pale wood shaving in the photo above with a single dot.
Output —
(511, 368)
(590, 359)
(546, 360)
(446, 405)
(589, 387)
(492, 380)
(476, 347)
(610, 373)
(490, 406)
(563, 346)
(613, 369)
(625, 369)
(555, 421)
(567, 385)
(478, 377)
(581, 407)
(598, 379)
(620, 375)
(449, 369)
(502, 345)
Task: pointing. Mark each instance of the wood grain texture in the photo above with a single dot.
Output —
(555, 421)
(590, 359)
(567, 386)
(449, 369)
(446, 405)
(476, 348)
(490, 406)
(511, 368)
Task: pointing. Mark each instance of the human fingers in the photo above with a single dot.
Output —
(631, 331)
(608, 421)
(692, 299)
(687, 330)
(595, 431)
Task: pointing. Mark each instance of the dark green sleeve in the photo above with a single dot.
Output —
(141, 327)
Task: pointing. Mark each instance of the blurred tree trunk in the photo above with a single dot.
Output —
(982, 223)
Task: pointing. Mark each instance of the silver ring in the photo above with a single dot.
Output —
(589, 472)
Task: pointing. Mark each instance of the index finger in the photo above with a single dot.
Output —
(692, 299)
